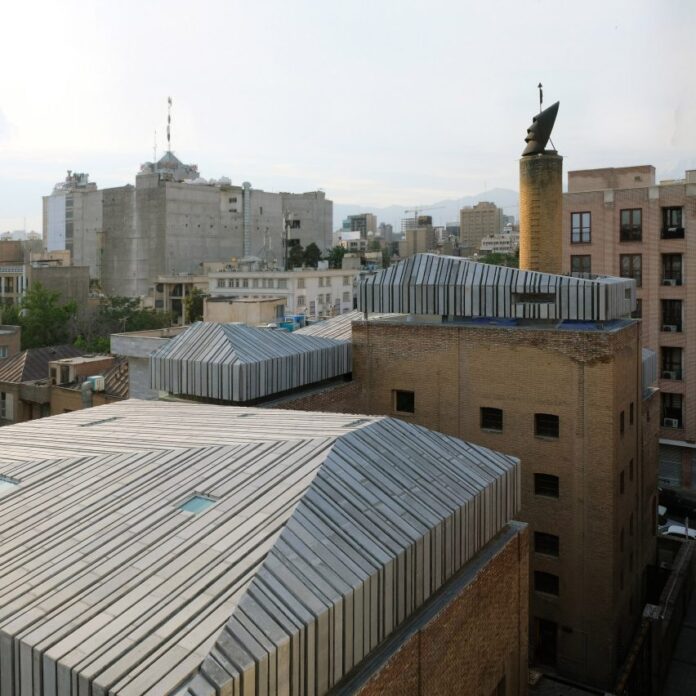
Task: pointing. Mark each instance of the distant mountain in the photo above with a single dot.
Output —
(447, 210)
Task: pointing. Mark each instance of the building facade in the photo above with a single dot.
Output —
(365, 224)
(173, 221)
(314, 293)
(621, 221)
(476, 222)
(507, 242)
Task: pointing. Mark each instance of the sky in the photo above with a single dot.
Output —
(376, 102)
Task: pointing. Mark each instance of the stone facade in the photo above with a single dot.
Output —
(662, 261)
(541, 202)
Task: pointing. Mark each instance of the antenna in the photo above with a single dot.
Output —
(169, 123)
(539, 86)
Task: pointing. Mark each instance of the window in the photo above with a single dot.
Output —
(546, 582)
(671, 363)
(631, 225)
(221, 282)
(300, 284)
(294, 224)
(321, 282)
(580, 228)
(5, 406)
(3, 351)
(672, 224)
(630, 266)
(346, 280)
(536, 297)
(622, 483)
(671, 315)
(404, 401)
(546, 425)
(630, 414)
(546, 484)
(346, 297)
(7, 484)
(546, 543)
(301, 300)
(637, 313)
(581, 264)
(671, 269)
(622, 422)
(282, 283)
(245, 283)
(491, 419)
(197, 504)
(672, 406)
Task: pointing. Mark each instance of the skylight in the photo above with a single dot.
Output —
(197, 504)
(7, 485)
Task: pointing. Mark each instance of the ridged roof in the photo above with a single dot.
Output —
(239, 363)
(327, 531)
(338, 328)
(452, 286)
(32, 364)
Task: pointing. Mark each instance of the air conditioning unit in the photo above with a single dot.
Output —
(98, 383)
(669, 281)
(669, 327)
(670, 423)
(669, 374)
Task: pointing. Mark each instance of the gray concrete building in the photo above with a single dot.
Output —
(172, 221)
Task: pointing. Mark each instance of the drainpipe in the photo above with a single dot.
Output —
(86, 391)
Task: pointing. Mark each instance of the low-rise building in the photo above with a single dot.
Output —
(506, 242)
(244, 310)
(256, 551)
(314, 293)
(10, 340)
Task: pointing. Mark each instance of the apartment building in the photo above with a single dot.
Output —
(621, 221)
(478, 221)
(314, 293)
(364, 223)
(507, 242)
(174, 221)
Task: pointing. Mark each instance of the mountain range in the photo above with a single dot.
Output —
(442, 211)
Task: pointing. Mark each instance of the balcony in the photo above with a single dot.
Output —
(675, 327)
(672, 233)
(672, 280)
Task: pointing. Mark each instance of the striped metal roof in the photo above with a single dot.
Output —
(452, 286)
(339, 327)
(327, 531)
(232, 362)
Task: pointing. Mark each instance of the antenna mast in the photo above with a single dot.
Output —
(541, 96)
(169, 123)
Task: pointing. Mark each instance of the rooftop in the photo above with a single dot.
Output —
(109, 583)
(32, 364)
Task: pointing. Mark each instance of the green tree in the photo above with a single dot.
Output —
(193, 305)
(335, 257)
(386, 258)
(497, 259)
(312, 254)
(374, 245)
(295, 256)
(44, 320)
(9, 314)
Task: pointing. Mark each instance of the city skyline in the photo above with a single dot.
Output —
(374, 107)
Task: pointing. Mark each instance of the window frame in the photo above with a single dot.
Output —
(551, 581)
(396, 394)
(547, 544)
(631, 231)
(548, 485)
(487, 417)
(581, 258)
(635, 270)
(580, 230)
(544, 430)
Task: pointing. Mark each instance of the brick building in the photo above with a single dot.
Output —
(621, 221)
(534, 365)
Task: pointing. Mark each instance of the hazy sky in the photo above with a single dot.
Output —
(376, 101)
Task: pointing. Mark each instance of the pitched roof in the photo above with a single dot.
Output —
(241, 363)
(340, 327)
(32, 364)
(116, 379)
(109, 584)
(453, 286)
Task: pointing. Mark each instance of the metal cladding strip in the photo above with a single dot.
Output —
(394, 511)
(241, 363)
(339, 328)
(452, 286)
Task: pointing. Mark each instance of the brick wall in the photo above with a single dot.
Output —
(478, 639)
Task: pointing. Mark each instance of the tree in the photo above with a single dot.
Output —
(374, 245)
(497, 259)
(9, 314)
(44, 321)
(386, 258)
(295, 256)
(335, 256)
(193, 305)
(312, 254)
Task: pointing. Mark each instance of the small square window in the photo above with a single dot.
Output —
(546, 582)
(492, 419)
(546, 543)
(404, 401)
(546, 484)
(546, 425)
(197, 504)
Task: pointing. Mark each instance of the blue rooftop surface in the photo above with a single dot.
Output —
(565, 325)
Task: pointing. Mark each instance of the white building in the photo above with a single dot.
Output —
(506, 242)
(314, 293)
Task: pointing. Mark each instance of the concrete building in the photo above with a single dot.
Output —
(478, 221)
(507, 242)
(244, 310)
(548, 368)
(418, 240)
(386, 232)
(265, 552)
(173, 221)
(621, 221)
(314, 293)
(365, 224)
